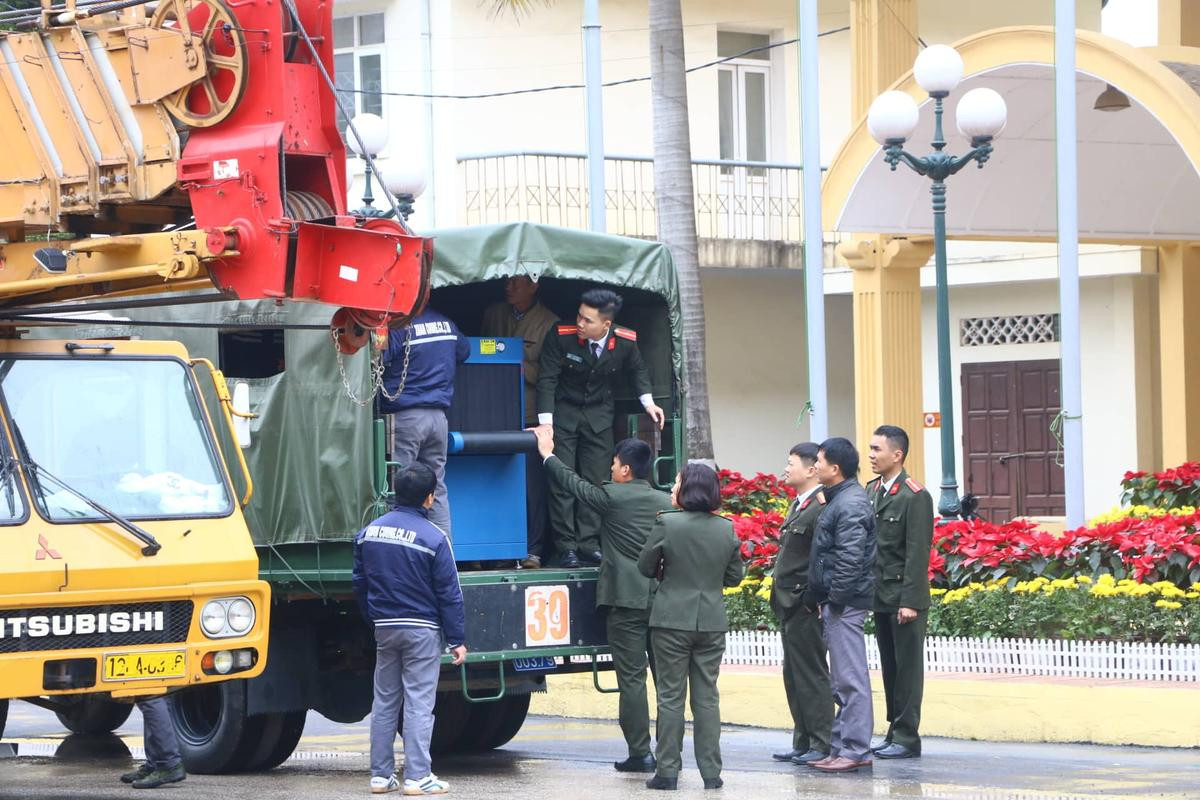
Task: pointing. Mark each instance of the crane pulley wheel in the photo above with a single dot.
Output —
(213, 28)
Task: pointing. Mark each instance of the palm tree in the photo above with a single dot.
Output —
(674, 197)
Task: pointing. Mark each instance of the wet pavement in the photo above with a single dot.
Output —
(567, 758)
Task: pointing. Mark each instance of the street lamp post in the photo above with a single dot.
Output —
(404, 184)
(981, 115)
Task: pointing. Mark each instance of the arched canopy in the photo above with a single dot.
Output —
(1138, 167)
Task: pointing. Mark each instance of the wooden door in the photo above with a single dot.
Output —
(1011, 458)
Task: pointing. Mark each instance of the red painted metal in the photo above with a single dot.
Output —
(283, 138)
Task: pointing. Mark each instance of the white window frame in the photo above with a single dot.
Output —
(359, 51)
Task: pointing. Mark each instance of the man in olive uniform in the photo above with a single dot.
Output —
(805, 670)
(904, 531)
(580, 364)
(628, 506)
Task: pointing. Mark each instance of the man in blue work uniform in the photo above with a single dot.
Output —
(418, 384)
(407, 587)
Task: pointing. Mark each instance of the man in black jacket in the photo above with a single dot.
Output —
(842, 582)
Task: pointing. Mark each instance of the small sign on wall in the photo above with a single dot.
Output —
(933, 419)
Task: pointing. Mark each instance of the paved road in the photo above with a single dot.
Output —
(559, 758)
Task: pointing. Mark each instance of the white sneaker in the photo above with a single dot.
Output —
(430, 784)
(384, 785)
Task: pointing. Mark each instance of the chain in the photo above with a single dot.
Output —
(377, 368)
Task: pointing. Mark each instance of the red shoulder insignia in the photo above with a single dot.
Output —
(625, 333)
(821, 498)
(916, 487)
(568, 330)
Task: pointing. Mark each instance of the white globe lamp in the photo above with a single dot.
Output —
(402, 177)
(938, 69)
(981, 114)
(892, 117)
(373, 132)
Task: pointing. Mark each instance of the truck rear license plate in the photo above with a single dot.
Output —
(536, 664)
(138, 666)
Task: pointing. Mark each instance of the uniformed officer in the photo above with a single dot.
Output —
(904, 531)
(805, 669)
(580, 364)
(696, 553)
(628, 506)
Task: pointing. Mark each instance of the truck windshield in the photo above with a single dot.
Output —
(128, 433)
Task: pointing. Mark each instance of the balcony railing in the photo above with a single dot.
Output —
(734, 199)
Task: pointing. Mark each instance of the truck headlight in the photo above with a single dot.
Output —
(240, 615)
(224, 617)
(213, 619)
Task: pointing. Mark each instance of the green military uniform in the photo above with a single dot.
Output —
(577, 388)
(700, 554)
(627, 512)
(904, 534)
(805, 668)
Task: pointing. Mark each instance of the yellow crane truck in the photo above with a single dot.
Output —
(179, 153)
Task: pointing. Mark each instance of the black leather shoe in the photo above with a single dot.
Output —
(803, 759)
(590, 557)
(659, 782)
(788, 756)
(644, 763)
(895, 750)
(879, 743)
(570, 560)
(713, 783)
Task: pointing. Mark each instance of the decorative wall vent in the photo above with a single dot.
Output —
(1017, 329)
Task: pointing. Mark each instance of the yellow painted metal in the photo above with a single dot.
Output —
(83, 120)
(201, 558)
(226, 401)
(108, 264)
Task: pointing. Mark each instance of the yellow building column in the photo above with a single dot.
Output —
(1179, 351)
(1179, 23)
(887, 337)
(883, 46)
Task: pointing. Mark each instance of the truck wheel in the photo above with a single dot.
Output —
(281, 734)
(215, 734)
(3, 715)
(94, 715)
(495, 724)
(451, 713)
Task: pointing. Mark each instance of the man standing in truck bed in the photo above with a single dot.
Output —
(580, 364)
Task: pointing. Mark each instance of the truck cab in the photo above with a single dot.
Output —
(129, 568)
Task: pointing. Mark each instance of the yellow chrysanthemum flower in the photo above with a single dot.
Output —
(1168, 604)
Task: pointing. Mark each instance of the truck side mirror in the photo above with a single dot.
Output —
(241, 413)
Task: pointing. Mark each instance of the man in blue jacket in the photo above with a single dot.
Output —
(418, 385)
(407, 587)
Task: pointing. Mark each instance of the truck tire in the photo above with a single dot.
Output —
(281, 734)
(216, 735)
(451, 715)
(93, 715)
(3, 715)
(494, 725)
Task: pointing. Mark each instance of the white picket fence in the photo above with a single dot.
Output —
(1060, 658)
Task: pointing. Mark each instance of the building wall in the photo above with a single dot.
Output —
(1118, 384)
(756, 365)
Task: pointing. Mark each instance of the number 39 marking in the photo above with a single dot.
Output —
(547, 616)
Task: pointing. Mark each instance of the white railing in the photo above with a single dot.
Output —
(747, 200)
(1128, 661)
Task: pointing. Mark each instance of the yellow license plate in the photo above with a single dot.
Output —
(134, 666)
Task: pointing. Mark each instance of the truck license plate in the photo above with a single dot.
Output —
(534, 664)
(134, 666)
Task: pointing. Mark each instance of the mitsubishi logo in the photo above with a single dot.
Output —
(45, 549)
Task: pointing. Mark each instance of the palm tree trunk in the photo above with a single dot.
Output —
(675, 200)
